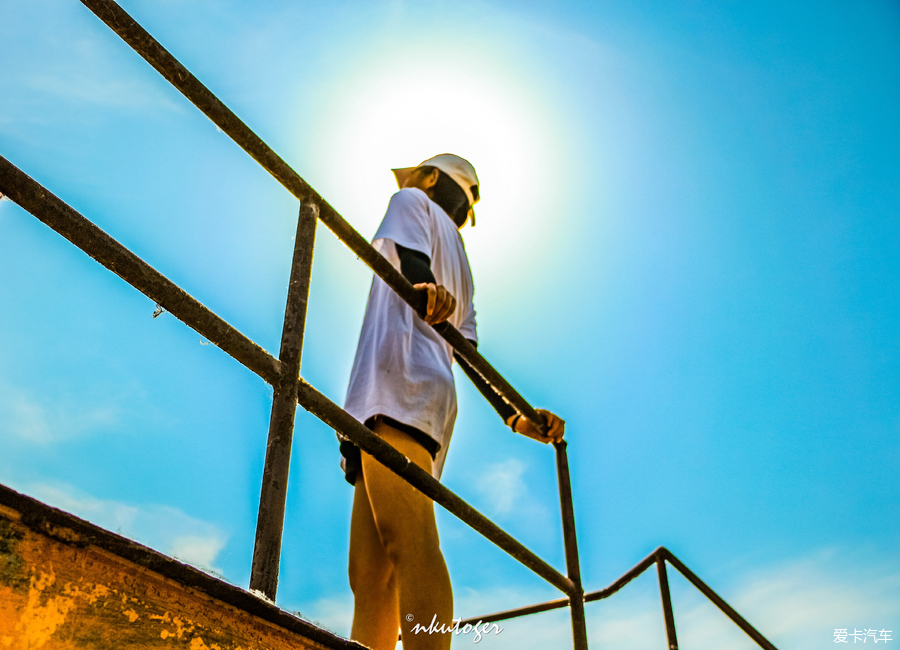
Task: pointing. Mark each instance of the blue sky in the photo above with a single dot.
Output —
(688, 246)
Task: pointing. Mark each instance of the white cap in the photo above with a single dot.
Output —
(457, 168)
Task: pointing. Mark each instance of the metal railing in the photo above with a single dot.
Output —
(283, 373)
(659, 557)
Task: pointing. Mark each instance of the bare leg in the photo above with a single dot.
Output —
(372, 579)
(405, 525)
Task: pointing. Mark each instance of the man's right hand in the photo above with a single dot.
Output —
(441, 303)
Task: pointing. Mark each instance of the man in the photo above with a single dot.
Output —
(402, 387)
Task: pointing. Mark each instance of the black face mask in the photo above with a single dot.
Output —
(450, 196)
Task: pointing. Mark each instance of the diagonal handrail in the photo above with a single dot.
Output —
(87, 236)
(59, 216)
(175, 73)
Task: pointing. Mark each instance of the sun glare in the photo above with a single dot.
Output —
(397, 114)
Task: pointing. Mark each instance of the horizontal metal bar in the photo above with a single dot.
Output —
(336, 417)
(717, 600)
(169, 67)
(515, 613)
(65, 220)
(642, 566)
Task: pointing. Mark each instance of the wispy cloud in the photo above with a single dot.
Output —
(77, 86)
(81, 75)
(161, 527)
(796, 604)
(43, 421)
(334, 613)
(198, 550)
(801, 603)
(503, 486)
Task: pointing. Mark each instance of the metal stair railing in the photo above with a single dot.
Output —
(283, 373)
(659, 557)
(62, 218)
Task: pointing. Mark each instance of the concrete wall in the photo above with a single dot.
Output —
(65, 584)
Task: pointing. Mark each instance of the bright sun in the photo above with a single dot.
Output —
(394, 115)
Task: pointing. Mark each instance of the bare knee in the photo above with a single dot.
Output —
(405, 521)
(369, 568)
(407, 543)
(368, 575)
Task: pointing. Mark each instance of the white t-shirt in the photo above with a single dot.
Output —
(402, 366)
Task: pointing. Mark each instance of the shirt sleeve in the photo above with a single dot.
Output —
(407, 221)
(415, 266)
(468, 327)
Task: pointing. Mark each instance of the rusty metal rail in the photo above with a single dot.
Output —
(284, 373)
(59, 216)
(273, 494)
(268, 537)
(573, 566)
(659, 557)
(62, 218)
(163, 62)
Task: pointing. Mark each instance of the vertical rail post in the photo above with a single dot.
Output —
(576, 598)
(666, 602)
(273, 494)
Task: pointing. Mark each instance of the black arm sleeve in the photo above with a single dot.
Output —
(416, 267)
(500, 405)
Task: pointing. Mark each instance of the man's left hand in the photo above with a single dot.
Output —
(556, 427)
